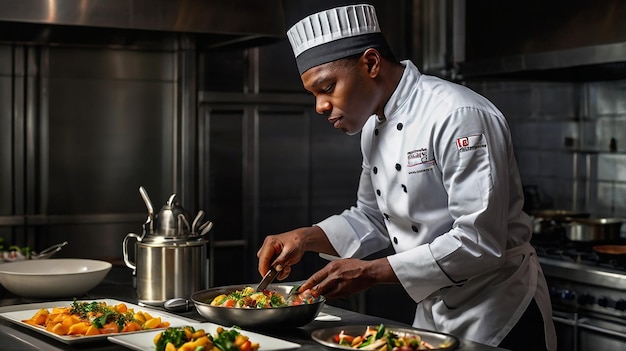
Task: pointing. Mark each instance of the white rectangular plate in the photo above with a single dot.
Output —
(18, 313)
(145, 341)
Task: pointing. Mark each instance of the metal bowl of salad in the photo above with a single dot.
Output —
(237, 305)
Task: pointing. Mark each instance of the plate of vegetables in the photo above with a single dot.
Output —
(202, 337)
(78, 321)
(383, 338)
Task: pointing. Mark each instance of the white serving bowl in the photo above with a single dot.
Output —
(57, 277)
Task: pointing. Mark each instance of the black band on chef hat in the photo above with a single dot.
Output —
(339, 49)
(334, 34)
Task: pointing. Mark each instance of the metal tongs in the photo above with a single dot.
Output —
(267, 279)
(47, 252)
(293, 293)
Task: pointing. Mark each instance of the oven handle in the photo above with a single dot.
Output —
(584, 323)
(566, 321)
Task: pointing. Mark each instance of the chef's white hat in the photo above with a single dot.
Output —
(333, 34)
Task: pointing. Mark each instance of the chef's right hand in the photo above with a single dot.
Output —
(281, 251)
(286, 249)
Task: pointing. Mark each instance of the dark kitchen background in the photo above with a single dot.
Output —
(203, 99)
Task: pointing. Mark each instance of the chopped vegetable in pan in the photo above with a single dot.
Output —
(250, 298)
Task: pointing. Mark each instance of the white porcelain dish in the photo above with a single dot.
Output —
(53, 278)
(16, 314)
(145, 341)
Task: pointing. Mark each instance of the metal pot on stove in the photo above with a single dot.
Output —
(170, 254)
(594, 229)
(549, 221)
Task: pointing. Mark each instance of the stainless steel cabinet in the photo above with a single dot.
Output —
(92, 125)
(270, 166)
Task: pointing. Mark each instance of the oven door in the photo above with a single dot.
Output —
(576, 332)
(565, 324)
(601, 334)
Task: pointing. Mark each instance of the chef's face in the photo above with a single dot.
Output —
(344, 92)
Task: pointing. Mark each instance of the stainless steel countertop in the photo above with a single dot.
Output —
(583, 273)
(118, 285)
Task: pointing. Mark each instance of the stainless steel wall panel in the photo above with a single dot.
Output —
(107, 127)
(13, 145)
(12, 130)
(222, 71)
(223, 157)
(277, 69)
(225, 174)
(113, 137)
(6, 131)
(89, 240)
(6, 58)
(35, 126)
(607, 99)
(335, 168)
(186, 155)
(111, 64)
(284, 171)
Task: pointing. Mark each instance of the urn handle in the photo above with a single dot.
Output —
(127, 261)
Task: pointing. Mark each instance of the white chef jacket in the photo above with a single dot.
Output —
(440, 183)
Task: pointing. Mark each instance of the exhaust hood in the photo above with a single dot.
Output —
(569, 40)
(217, 23)
(600, 62)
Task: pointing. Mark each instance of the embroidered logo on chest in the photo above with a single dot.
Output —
(417, 157)
(417, 161)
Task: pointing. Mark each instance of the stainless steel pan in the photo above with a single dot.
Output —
(594, 229)
(255, 318)
(546, 221)
(615, 254)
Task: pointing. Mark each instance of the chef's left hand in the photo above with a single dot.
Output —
(344, 277)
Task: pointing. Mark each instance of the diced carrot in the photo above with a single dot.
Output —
(139, 316)
(246, 346)
(58, 318)
(79, 328)
(109, 328)
(59, 329)
(121, 308)
(131, 327)
(152, 323)
(92, 330)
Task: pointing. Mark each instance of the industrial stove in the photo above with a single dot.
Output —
(588, 293)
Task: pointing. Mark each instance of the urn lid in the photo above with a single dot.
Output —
(172, 222)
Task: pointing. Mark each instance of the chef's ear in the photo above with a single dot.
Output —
(372, 58)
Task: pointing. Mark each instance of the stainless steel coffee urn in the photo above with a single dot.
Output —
(170, 254)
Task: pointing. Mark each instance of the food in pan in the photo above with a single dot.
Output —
(382, 339)
(94, 318)
(187, 338)
(248, 297)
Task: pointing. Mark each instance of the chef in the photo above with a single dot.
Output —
(439, 183)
